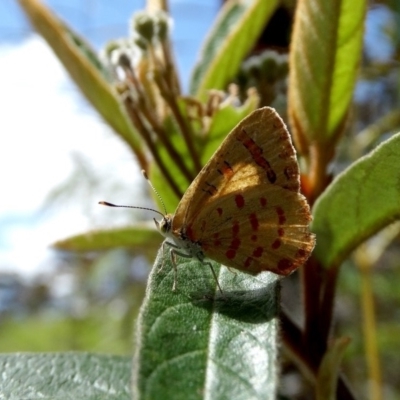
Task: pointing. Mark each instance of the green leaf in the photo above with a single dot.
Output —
(197, 343)
(329, 369)
(358, 203)
(60, 376)
(324, 58)
(238, 26)
(85, 69)
(135, 237)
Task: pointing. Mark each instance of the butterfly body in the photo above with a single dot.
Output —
(179, 240)
(245, 209)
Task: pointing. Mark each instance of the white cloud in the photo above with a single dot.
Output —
(43, 121)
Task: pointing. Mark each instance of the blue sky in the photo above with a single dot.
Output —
(46, 126)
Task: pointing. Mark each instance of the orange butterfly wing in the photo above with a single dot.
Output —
(244, 209)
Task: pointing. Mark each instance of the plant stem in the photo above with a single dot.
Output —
(311, 283)
(369, 326)
(184, 127)
(170, 68)
(293, 339)
(147, 110)
(320, 156)
(173, 153)
(136, 120)
(327, 303)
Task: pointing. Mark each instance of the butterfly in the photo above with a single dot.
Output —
(244, 209)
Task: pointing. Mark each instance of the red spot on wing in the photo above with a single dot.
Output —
(239, 200)
(263, 201)
(281, 215)
(248, 262)
(219, 211)
(254, 221)
(277, 243)
(258, 252)
(290, 173)
(230, 253)
(235, 244)
(301, 253)
(233, 247)
(285, 266)
(281, 232)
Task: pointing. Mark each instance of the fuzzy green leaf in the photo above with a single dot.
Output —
(197, 343)
(238, 26)
(136, 237)
(358, 203)
(60, 376)
(324, 58)
(85, 69)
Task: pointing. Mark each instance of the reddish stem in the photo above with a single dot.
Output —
(293, 339)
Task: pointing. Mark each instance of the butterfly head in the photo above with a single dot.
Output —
(165, 225)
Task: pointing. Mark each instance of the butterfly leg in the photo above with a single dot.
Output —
(173, 253)
(170, 253)
(214, 275)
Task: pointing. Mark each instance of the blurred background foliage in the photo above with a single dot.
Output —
(90, 302)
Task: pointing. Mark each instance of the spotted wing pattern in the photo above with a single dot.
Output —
(245, 209)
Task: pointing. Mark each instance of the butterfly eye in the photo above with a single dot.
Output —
(164, 225)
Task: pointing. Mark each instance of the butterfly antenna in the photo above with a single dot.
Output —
(154, 190)
(106, 203)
